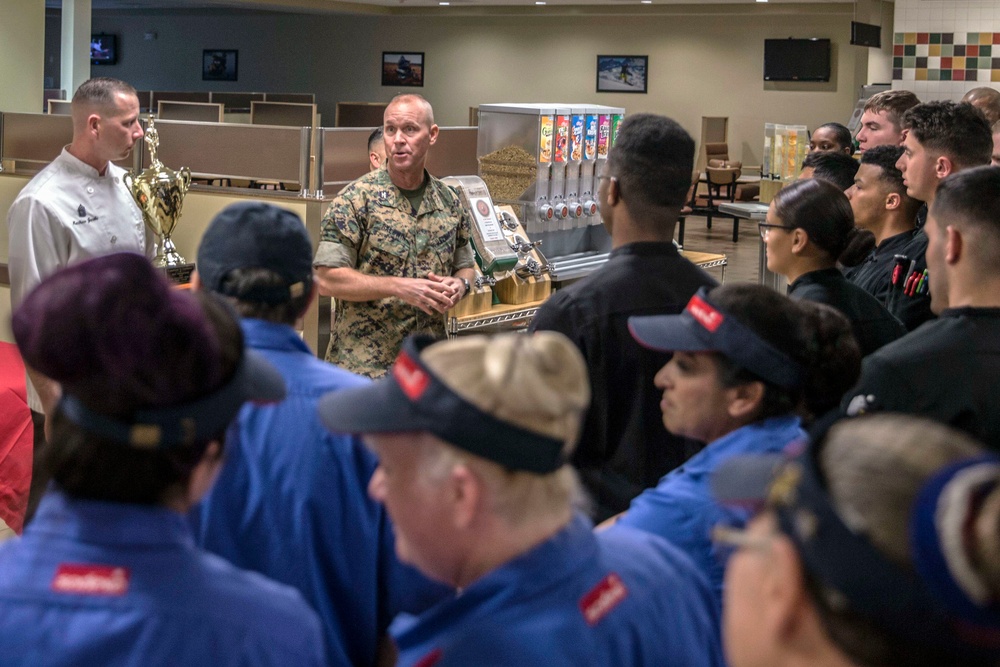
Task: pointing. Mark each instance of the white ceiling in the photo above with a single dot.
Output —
(378, 6)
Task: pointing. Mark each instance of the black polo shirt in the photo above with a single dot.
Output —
(624, 448)
(874, 275)
(947, 370)
(872, 324)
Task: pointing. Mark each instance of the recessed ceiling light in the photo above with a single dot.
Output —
(444, 4)
(647, 2)
(539, 2)
(761, 0)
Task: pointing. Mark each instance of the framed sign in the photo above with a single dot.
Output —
(219, 64)
(402, 69)
(622, 74)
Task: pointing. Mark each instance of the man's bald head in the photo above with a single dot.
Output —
(987, 100)
(412, 98)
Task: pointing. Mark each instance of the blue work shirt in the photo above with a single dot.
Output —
(98, 583)
(681, 507)
(291, 502)
(579, 598)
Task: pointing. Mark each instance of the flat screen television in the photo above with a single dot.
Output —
(866, 34)
(796, 59)
(103, 49)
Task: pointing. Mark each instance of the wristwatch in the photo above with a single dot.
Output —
(468, 287)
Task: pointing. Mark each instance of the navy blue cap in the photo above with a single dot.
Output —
(255, 235)
(704, 327)
(411, 398)
(852, 573)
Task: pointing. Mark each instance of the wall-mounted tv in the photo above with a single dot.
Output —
(866, 34)
(103, 49)
(796, 59)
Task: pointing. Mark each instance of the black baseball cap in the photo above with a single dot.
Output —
(257, 235)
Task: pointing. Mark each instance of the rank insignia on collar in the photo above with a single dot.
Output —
(383, 196)
(81, 211)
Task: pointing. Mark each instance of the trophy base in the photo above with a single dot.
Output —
(179, 274)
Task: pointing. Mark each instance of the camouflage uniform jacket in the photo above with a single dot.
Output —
(372, 227)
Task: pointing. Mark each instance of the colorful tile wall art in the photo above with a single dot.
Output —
(946, 56)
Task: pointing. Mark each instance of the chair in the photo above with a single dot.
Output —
(722, 177)
(688, 209)
(716, 151)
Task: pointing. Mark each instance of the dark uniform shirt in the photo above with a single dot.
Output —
(947, 370)
(874, 275)
(624, 447)
(872, 324)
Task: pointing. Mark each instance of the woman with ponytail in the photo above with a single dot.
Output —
(809, 229)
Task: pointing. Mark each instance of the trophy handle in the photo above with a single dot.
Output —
(186, 178)
(128, 179)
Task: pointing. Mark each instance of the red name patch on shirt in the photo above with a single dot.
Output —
(429, 660)
(411, 377)
(706, 315)
(90, 580)
(604, 597)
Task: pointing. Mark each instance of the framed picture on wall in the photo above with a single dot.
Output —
(402, 69)
(622, 74)
(219, 64)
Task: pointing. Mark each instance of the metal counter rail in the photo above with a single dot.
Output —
(472, 322)
(757, 212)
(577, 266)
(571, 267)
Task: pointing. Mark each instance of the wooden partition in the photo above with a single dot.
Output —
(29, 141)
(52, 94)
(287, 114)
(60, 107)
(237, 102)
(295, 98)
(145, 100)
(205, 112)
(360, 114)
(177, 96)
(343, 155)
(232, 150)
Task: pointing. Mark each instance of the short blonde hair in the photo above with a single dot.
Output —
(536, 382)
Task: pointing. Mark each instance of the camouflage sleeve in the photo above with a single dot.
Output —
(464, 256)
(335, 255)
(342, 230)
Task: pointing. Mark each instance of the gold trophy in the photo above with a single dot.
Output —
(159, 192)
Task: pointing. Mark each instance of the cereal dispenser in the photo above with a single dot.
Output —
(543, 160)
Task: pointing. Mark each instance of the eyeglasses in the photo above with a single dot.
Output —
(764, 226)
(728, 540)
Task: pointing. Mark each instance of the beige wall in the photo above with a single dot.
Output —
(22, 34)
(699, 65)
(703, 60)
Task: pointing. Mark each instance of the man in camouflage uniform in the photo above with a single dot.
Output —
(394, 248)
